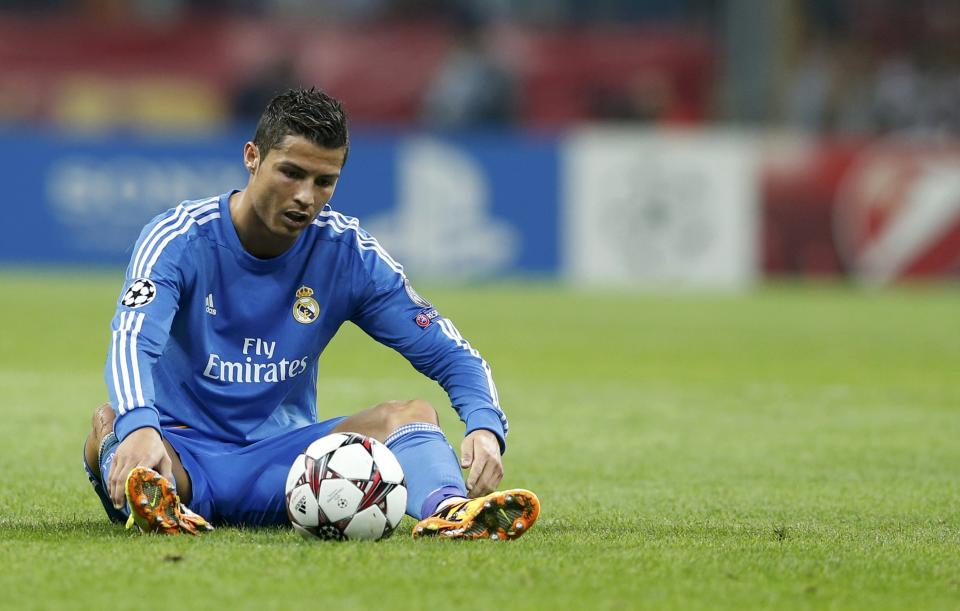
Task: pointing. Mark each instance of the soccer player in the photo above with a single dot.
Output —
(227, 304)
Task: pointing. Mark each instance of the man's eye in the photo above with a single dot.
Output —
(289, 173)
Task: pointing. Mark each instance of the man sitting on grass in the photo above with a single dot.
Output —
(212, 369)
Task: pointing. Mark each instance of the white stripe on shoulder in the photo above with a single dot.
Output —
(172, 222)
(341, 224)
(364, 237)
(149, 240)
(192, 217)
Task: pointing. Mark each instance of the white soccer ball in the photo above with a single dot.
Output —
(346, 486)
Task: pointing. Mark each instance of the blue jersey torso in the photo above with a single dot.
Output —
(210, 338)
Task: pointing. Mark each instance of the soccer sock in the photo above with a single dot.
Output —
(430, 467)
(108, 448)
(451, 500)
(112, 513)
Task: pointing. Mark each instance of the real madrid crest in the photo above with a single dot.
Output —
(305, 308)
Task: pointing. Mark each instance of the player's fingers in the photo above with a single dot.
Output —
(492, 473)
(496, 474)
(117, 480)
(482, 485)
(165, 468)
(112, 482)
(475, 471)
(489, 478)
(466, 454)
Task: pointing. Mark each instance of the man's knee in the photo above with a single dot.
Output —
(399, 413)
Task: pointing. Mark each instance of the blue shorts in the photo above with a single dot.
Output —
(242, 484)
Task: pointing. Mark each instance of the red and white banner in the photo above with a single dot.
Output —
(879, 210)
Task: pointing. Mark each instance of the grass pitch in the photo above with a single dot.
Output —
(796, 447)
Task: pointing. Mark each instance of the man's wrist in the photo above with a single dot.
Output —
(136, 419)
(489, 420)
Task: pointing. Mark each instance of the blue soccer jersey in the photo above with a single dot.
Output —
(210, 338)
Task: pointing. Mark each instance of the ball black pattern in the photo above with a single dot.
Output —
(329, 532)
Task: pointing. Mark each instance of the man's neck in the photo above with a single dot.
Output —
(254, 236)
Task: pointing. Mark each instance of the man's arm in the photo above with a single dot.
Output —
(399, 318)
(140, 329)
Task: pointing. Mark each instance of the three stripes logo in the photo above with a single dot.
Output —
(208, 302)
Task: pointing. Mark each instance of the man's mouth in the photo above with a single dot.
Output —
(297, 217)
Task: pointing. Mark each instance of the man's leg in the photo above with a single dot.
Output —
(436, 493)
(165, 510)
(102, 428)
(411, 430)
(101, 435)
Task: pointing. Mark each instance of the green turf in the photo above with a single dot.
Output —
(798, 447)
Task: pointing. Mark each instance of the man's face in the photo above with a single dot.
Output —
(291, 184)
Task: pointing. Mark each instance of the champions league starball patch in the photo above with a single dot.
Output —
(140, 293)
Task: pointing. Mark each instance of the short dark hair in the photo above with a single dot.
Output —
(310, 113)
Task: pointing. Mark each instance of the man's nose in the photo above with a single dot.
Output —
(304, 195)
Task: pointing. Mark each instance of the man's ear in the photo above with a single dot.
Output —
(251, 157)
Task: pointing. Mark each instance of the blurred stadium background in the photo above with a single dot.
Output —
(754, 443)
(638, 143)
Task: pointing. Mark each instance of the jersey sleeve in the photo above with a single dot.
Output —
(390, 311)
(141, 325)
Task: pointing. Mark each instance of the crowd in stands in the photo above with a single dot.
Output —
(876, 67)
(540, 12)
(849, 66)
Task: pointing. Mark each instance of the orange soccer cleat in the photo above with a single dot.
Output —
(497, 516)
(155, 506)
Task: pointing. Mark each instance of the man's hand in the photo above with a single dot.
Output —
(141, 448)
(480, 452)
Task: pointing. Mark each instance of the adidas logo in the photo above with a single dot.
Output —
(212, 311)
(302, 505)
